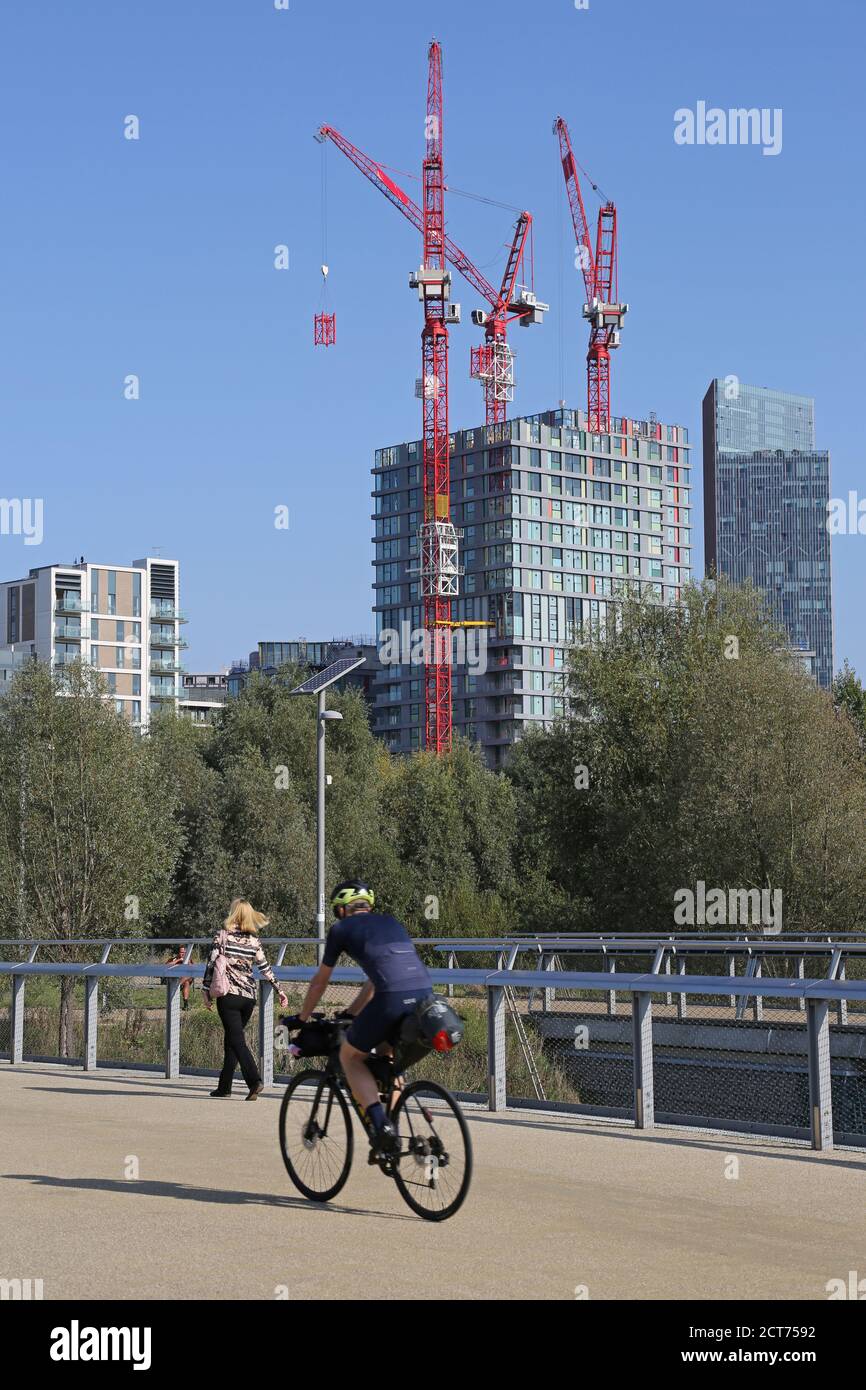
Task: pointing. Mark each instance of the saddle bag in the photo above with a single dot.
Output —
(431, 1026)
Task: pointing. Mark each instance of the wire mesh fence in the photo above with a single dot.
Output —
(719, 1059)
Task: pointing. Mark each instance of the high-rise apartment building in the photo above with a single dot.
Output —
(122, 619)
(555, 523)
(766, 490)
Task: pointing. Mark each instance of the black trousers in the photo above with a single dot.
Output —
(235, 1012)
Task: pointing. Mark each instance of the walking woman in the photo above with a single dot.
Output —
(239, 946)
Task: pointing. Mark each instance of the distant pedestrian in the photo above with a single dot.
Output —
(236, 950)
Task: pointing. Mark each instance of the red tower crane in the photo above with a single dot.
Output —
(493, 361)
(602, 309)
(438, 567)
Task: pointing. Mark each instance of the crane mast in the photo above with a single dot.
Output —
(601, 308)
(438, 540)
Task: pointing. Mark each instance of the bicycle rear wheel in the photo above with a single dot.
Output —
(434, 1169)
(316, 1138)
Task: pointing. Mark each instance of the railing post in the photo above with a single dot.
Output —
(91, 1021)
(820, 1090)
(611, 994)
(172, 1028)
(451, 963)
(801, 975)
(681, 998)
(842, 1006)
(266, 1032)
(549, 995)
(16, 1041)
(669, 998)
(495, 1047)
(758, 1006)
(642, 1034)
(732, 971)
(837, 972)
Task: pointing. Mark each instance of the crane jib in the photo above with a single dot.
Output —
(391, 186)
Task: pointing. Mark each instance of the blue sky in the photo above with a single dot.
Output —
(155, 257)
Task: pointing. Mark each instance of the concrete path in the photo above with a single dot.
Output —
(558, 1204)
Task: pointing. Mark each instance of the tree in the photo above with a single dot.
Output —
(695, 748)
(850, 697)
(88, 835)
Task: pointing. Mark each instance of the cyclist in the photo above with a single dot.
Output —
(396, 981)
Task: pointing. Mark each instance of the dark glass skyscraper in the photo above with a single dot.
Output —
(766, 489)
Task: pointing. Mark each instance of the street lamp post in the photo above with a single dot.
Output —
(324, 715)
(317, 685)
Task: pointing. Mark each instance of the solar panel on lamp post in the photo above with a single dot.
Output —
(317, 685)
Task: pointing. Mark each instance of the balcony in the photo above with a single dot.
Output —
(166, 611)
(162, 692)
(168, 638)
(63, 631)
(166, 668)
(70, 603)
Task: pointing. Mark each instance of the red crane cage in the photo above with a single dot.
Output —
(324, 330)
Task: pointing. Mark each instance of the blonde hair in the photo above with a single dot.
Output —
(244, 918)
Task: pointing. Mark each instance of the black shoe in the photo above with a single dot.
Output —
(225, 1094)
(255, 1091)
(386, 1143)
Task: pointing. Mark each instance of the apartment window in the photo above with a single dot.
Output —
(112, 591)
(119, 632)
(13, 614)
(136, 685)
(118, 656)
(111, 681)
(136, 711)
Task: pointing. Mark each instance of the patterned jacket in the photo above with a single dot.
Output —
(243, 951)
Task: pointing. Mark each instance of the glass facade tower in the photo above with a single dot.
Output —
(555, 522)
(766, 490)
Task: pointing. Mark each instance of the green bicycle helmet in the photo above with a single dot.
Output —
(351, 890)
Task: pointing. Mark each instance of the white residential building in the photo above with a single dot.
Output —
(122, 619)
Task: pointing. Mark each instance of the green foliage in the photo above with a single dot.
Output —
(687, 755)
(693, 748)
(850, 697)
(88, 833)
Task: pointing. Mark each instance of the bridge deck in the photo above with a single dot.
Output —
(557, 1201)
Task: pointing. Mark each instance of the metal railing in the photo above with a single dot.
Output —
(610, 1042)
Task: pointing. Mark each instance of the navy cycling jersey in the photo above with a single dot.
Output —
(382, 947)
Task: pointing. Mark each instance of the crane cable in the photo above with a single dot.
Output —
(324, 215)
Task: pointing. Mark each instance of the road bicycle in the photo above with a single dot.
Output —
(432, 1159)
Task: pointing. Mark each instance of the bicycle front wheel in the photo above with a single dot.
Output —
(316, 1138)
(434, 1169)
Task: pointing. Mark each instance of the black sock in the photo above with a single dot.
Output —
(376, 1116)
